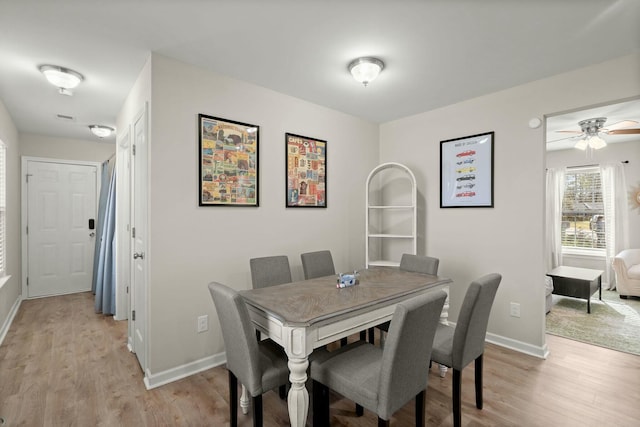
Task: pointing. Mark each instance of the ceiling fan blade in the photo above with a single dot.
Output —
(620, 124)
(569, 131)
(565, 138)
(624, 132)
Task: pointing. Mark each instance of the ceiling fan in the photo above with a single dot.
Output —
(590, 130)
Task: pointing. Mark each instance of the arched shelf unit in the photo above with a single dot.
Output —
(391, 214)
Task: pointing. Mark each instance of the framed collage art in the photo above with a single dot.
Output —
(306, 162)
(466, 172)
(228, 162)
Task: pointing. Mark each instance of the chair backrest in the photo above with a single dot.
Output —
(471, 329)
(419, 264)
(239, 337)
(317, 264)
(407, 351)
(269, 271)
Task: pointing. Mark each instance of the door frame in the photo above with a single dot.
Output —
(123, 225)
(25, 206)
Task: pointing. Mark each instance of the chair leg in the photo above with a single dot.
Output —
(478, 376)
(282, 390)
(343, 342)
(257, 411)
(258, 336)
(320, 404)
(233, 400)
(363, 335)
(420, 409)
(456, 395)
(383, 423)
(359, 410)
(371, 336)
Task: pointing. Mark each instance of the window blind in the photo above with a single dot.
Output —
(583, 209)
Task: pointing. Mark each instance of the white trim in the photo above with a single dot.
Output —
(522, 347)
(183, 371)
(10, 317)
(25, 203)
(4, 279)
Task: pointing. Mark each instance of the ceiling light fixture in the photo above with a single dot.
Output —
(366, 69)
(101, 131)
(591, 130)
(62, 78)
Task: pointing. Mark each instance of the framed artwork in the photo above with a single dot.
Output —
(466, 172)
(306, 162)
(228, 162)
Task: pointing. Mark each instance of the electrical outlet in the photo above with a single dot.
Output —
(515, 309)
(203, 323)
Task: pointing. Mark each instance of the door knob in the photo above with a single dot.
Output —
(138, 255)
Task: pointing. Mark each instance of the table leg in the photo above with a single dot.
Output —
(298, 399)
(244, 400)
(588, 305)
(444, 319)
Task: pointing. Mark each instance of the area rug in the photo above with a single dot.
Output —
(613, 323)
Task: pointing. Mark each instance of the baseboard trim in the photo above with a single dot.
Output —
(152, 380)
(538, 351)
(10, 317)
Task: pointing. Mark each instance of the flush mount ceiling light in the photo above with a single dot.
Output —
(365, 69)
(62, 78)
(591, 129)
(101, 131)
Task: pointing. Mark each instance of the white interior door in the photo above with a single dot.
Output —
(61, 202)
(139, 237)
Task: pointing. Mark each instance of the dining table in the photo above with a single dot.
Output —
(304, 315)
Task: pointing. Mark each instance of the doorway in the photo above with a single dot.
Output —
(59, 216)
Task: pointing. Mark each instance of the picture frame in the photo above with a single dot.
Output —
(466, 171)
(306, 171)
(228, 162)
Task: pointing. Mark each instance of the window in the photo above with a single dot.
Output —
(3, 209)
(583, 209)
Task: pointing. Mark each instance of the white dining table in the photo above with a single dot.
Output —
(301, 316)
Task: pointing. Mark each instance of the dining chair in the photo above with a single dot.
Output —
(259, 365)
(270, 271)
(317, 264)
(417, 264)
(382, 380)
(458, 346)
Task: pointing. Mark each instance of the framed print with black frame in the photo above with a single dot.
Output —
(306, 163)
(228, 153)
(466, 171)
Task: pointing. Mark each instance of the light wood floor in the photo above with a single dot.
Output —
(63, 365)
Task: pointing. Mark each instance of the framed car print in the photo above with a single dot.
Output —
(466, 172)
(228, 154)
(306, 163)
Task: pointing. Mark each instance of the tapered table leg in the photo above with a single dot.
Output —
(298, 399)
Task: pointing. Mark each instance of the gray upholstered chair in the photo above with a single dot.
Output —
(417, 264)
(381, 380)
(317, 264)
(269, 271)
(459, 346)
(260, 366)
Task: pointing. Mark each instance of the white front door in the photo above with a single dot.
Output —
(139, 234)
(61, 207)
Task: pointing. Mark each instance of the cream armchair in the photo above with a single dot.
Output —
(627, 267)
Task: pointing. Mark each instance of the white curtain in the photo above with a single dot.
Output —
(614, 196)
(553, 236)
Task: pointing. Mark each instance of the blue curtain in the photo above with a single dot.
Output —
(102, 206)
(104, 261)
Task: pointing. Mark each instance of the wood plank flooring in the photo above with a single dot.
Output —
(63, 365)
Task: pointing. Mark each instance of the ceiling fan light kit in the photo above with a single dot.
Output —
(101, 131)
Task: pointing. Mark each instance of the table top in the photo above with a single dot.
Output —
(575, 273)
(311, 301)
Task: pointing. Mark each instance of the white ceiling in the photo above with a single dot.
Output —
(436, 52)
